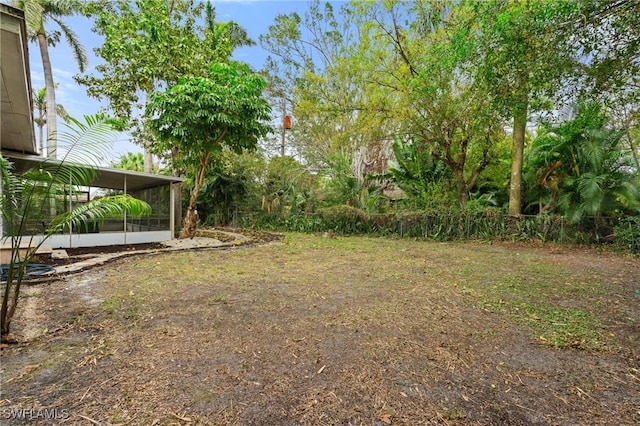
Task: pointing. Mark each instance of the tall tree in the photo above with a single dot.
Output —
(37, 14)
(413, 51)
(199, 115)
(381, 70)
(609, 47)
(148, 45)
(304, 50)
(521, 55)
(40, 107)
(609, 44)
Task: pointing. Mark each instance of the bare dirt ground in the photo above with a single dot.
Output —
(333, 331)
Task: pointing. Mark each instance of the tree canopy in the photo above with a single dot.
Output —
(149, 45)
(445, 99)
(200, 115)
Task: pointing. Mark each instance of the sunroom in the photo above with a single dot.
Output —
(17, 144)
(156, 190)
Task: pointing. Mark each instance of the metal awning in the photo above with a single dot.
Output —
(105, 177)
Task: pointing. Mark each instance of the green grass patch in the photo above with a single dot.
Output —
(553, 325)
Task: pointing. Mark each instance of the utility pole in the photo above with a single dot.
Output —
(284, 128)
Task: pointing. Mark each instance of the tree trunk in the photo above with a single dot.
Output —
(177, 196)
(461, 187)
(11, 295)
(41, 135)
(191, 219)
(146, 141)
(52, 119)
(148, 158)
(517, 154)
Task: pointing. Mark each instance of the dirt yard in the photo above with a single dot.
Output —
(332, 331)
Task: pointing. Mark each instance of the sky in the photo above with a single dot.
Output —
(254, 15)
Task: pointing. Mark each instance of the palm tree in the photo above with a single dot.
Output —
(130, 161)
(27, 198)
(40, 106)
(37, 13)
(580, 168)
(224, 37)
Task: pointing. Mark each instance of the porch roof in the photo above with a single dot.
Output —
(106, 177)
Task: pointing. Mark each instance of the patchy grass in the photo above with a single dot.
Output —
(324, 331)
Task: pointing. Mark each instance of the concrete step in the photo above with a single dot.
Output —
(5, 250)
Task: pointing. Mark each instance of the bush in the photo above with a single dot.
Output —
(627, 234)
(455, 224)
(344, 219)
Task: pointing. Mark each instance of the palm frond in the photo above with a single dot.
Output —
(79, 52)
(11, 187)
(63, 113)
(33, 11)
(89, 142)
(210, 16)
(99, 209)
(61, 7)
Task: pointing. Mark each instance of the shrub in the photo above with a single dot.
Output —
(344, 219)
(627, 234)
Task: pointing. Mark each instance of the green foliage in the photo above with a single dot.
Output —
(610, 48)
(344, 219)
(435, 224)
(309, 69)
(579, 168)
(148, 44)
(418, 173)
(289, 188)
(233, 183)
(30, 196)
(200, 115)
(133, 161)
(627, 234)
(40, 12)
(342, 187)
(521, 57)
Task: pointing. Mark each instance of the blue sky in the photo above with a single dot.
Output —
(254, 15)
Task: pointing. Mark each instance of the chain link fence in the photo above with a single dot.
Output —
(434, 226)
